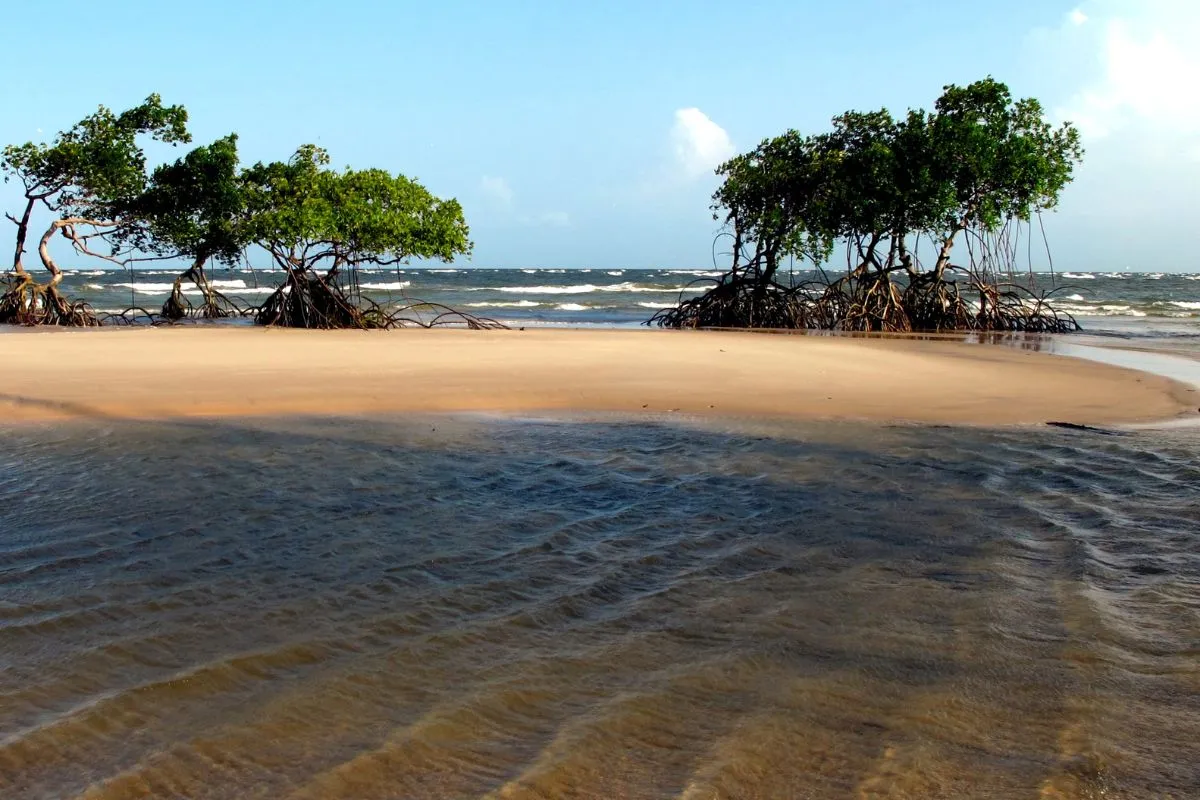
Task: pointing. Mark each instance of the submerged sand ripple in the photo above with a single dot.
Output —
(454, 607)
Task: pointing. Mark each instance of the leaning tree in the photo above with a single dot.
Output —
(193, 208)
(87, 179)
(321, 225)
(965, 175)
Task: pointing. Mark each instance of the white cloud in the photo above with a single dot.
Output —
(497, 189)
(700, 144)
(1126, 75)
(1149, 71)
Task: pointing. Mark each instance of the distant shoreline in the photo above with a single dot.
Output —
(243, 371)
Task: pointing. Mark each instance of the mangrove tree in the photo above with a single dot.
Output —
(968, 176)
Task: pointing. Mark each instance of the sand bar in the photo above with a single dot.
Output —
(159, 373)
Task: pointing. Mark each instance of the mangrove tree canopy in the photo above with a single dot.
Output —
(86, 180)
(319, 225)
(879, 187)
(194, 209)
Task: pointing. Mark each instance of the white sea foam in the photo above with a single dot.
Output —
(234, 287)
(386, 287)
(1188, 304)
(254, 290)
(146, 288)
(657, 305)
(1079, 276)
(503, 304)
(571, 307)
(1076, 297)
(616, 272)
(586, 288)
(583, 288)
(191, 289)
(530, 271)
(1101, 310)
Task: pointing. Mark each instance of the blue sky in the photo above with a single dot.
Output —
(584, 134)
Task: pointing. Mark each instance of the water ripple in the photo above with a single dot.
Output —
(468, 607)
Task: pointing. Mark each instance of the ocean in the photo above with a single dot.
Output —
(591, 606)
(1121, 303)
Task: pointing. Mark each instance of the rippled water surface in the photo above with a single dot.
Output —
(474, 607)
(1127, 304)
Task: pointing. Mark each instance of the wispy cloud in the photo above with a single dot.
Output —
(1149, 70)
(1124, 71)
(700, 144)
(500, 194)
(497, 190)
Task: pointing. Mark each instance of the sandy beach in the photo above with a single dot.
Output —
(160, 373)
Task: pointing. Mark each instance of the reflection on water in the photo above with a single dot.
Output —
(535, 609)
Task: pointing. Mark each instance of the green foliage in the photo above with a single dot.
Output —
(877, 185)
(194, 207)
(773, 195)
(317, 223)
(306, 214)
(978, 161)
(1001, 158)
(98, 162)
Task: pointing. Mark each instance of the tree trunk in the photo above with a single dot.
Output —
(22, 235)
(906, 259)
(772, 268)
(67, 226)
(943, 259)
(56, 275)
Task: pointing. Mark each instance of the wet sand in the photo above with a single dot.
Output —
(159, 373)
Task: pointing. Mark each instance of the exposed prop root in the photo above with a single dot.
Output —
(307, 299)
(214, 304)
(443, 316)
(737, 300)
(26, 302)
(134, 315)
(871, 300)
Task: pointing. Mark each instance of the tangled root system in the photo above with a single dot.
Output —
(26, 302)
(871, 300)
(307, 299)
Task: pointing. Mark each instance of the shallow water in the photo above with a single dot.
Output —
(490, 607)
